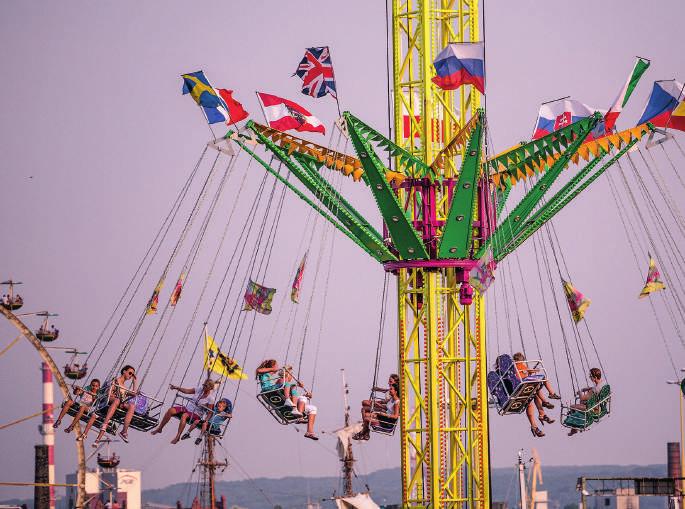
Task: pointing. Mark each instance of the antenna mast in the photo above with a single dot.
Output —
(209, 466)
(348, 462)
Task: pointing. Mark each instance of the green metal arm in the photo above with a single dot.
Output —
(458, 231)
(404, 236)
(544, 215)
(415, 166)
(311, 165)
(506, 230)
(350, 226)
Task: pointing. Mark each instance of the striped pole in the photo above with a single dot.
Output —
(47, 430)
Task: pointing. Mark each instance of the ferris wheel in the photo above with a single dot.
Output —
(51, 371)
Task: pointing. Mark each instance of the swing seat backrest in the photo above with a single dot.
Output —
(512, 393)
(602, 405)
(274, 400)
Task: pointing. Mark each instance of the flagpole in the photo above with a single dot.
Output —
(542, 104)
(676, 105)
(337, 101)
(209, 369)
(261, 105)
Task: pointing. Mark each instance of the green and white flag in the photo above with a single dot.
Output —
(639, 69)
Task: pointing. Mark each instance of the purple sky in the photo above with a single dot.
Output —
(96, 140)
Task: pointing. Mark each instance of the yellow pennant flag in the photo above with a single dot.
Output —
(220, 363)
(154, 300)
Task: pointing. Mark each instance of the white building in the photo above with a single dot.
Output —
(100, 484)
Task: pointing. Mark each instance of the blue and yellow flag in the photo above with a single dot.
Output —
(197, 85)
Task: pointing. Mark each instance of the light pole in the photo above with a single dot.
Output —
(682, 432)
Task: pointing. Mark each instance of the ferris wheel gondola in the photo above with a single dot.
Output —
(74, 370)
(11, 301)
(110, 459)
(47, 332)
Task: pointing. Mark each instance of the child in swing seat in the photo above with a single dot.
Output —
(215, 418)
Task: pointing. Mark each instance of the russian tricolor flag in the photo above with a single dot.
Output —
(665, 107)
(461, 64)
(557, 114)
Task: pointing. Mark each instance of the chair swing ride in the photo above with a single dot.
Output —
(447, 225)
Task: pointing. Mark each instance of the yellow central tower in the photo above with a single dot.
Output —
(444, 418)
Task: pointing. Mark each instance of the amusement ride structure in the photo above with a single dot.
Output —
(449, 218)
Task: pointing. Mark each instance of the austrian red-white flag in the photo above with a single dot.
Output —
(284, 115)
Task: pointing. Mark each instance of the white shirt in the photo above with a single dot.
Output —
(196, 404)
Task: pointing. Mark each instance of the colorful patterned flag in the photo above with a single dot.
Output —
(316, 71)
(577, 302)
(482, 275)
(219, 362)
(259, 298)
(295, 291)
(653, 282)
(176, 294)
(154, 300)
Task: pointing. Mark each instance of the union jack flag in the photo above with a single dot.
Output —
(316, 71)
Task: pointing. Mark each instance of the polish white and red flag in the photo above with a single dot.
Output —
(285, 115)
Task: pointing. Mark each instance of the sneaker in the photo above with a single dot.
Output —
(554, 396)
(289, 403)
(311, 436)
(185, 436)
(546, 404)
(296, 412)
(198, 440)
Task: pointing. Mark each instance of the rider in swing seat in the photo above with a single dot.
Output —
(588, 392)
(214, 419)
(192, 409)
(86, 398)
(119, 397)
(371, 406)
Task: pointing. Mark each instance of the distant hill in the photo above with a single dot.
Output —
(292, 492)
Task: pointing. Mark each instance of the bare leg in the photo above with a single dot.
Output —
(310, 424)
(89, 425)
(167, 416)
(77, 418)
(65, 409)
(181, 425)
(110, 412)
(129, 416)
(530, 413)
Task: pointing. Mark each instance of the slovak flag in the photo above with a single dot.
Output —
(461, 64)
(665, 106)
(558, 114)
(283, 115)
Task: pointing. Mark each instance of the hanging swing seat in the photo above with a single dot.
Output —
(582, 415)
(273, 399)
(73, 410)
(217, 430)
(75, 371)
(12, 304)
(511, 391)
(47, 335)
(108, 461)
(145, 416)
(383, 424)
